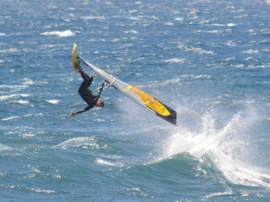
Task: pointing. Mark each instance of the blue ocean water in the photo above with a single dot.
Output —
(207, 59)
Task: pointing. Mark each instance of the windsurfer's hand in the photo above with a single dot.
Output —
(72, 114)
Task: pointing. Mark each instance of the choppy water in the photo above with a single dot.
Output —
(207, 59)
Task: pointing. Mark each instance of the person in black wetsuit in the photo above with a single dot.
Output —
(86, 94)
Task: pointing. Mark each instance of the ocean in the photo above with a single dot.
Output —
(207, 59)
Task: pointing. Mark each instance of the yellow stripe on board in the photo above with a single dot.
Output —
(150, 102)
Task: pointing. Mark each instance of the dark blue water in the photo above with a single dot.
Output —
(207, 59)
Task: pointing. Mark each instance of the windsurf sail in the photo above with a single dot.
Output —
(137, 95)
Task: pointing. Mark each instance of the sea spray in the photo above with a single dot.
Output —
(226, 148)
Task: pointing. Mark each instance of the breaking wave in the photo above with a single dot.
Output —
(226, 148)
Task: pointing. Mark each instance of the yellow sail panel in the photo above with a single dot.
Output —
(74, 57)
(151, 102)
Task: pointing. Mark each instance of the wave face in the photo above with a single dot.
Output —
(207, 59)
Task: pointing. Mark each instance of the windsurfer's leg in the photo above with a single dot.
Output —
(87, 80)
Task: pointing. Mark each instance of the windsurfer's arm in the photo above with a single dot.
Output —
(84, 110)
(84, 75)
(100, 89)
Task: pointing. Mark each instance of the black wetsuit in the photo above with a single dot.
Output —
(86, 94)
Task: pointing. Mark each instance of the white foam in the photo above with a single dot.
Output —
(10, 118)
(136, 191)
(22, 102)
(10, 50)
(211, 31)
(197, 50)
(179, 19)
(231, 25)
(219, 194)
(251, 51)
(7, 186)
(131, 32)
(169, 23)
(2, 34)
(4, 148)
(7, 97)
(104, 162)
(100, 120)
(132, 11)
(133, 18)
(221, 146)
(175, 61)
(53, 101)
(83, 142)
(3, 174)
(17, 117)
(169, 82)
(231, 43)
(39, 190)
(27, 135)
(239, 66)
(27, 82)
(218, 25)
(202, 77)
(95, 18)
(60, 34)
(115, 40)
(183, 77)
